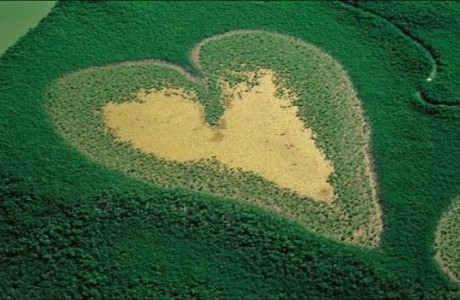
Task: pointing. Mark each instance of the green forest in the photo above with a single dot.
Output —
(72, 227)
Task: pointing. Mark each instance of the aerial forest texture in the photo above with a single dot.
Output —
(232, 150)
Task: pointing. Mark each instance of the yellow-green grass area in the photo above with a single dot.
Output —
(448, 241)
(17, 17)
(324, 95)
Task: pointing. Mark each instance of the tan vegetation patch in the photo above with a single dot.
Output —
(259, 132)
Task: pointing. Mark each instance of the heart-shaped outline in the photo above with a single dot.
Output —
(355, 222)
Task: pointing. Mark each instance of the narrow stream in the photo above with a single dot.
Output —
(419, 44)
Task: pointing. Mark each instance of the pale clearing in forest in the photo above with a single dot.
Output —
(259, 132)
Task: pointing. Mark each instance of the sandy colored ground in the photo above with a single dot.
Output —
(259, 132)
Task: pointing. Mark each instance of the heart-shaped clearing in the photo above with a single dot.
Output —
(259, 132)
(263, 97)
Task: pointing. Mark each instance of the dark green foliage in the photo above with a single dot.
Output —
(433, 25)
(61, 239)
(171, 245)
